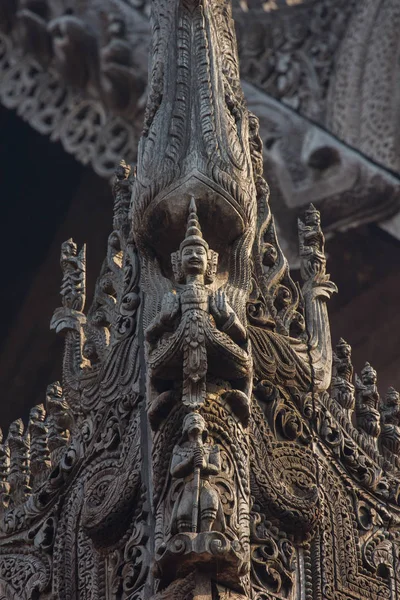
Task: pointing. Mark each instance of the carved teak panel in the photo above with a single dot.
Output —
(205, 442)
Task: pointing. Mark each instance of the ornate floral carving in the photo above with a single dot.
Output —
(273, 558)
(26, 573)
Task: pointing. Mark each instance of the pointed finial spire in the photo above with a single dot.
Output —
(194, 235)
(368, 371)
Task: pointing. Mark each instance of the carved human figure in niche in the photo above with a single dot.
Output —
(197, 330)
(198, 506)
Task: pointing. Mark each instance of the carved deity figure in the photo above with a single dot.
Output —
(19, 474)
(74, 267)
(342, 374)
(367, 402)
(4, 471)
(198, 507)
(312, 244)
(39, 452)
(316, 290)
(390, 408)
(390, 421)
(197, 331)
(58, 420)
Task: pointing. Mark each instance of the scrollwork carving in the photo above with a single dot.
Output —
(273, 558)
(26, 572)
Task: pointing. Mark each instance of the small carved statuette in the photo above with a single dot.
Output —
(367, 404)
(39, 452)
(198, 507)
(317, 289)
(73, 289)
(197, 331)
(342, 374)
(58, 421)
(199, 530)
(4, 472)
(73, 266)
(19, 474)
(312, 244)
(122, 191)
(390, 421)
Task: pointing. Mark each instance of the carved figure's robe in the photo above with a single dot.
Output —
(198, 344)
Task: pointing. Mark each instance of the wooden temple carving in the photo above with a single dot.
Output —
(205, 442)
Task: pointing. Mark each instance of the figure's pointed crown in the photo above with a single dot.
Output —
(393, 395)
(194, 235)
(368, 369)
(343, 345)
(311, 210)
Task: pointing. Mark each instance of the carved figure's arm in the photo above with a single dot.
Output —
(164, 320)
(234, 329)
(181, 465)
(213, 466)
(226, 319)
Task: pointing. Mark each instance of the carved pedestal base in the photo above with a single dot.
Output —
(224, 559)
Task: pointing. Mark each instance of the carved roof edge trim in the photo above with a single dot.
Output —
(81, 124)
